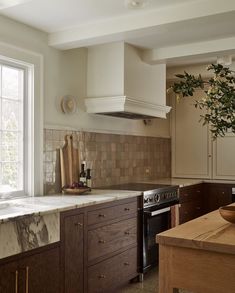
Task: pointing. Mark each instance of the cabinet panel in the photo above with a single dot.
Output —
(110, 238)
(110, 213)
(109, 274)
(9, 278)
(191, 144)
(191, 193)
(39, 273)
(190, 210)
(73, 253)
(223, 157)
(217, 195)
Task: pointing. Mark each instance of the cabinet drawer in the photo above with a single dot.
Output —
(111, 238)
(110, 213)
(191, 193)
(113, 272)
(190, 210)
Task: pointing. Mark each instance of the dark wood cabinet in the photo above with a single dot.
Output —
(217, 195)
(99, 246)
(112, 238)
(72, 248)
(109, 274)
(191, 202)
(9, 277)
(199, 199)
(36, 271)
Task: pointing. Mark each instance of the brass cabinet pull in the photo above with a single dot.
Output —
(102, 215)
(127, 233)
(126, 263)
(101, 276)
(78, 224)
(27, 280)
(16, 281)
(101, 241)
(126, 209)
(198, 191)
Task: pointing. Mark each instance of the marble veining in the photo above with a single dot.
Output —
(33, 222)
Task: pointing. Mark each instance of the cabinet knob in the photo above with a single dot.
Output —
(126, 209)
(126, 263)
(102, 241)
(78, 224)
(102, 215)
(101, 276)
(198, 191)
(223, 192)
(127, 233)
(198, 208)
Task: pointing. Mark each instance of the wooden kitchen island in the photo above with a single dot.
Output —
(198, 256)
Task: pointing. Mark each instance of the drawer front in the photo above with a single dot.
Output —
(113, 272)
(189, 194)
(110, 238)
(190, 210)
(110, 213)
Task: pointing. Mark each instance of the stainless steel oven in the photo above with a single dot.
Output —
(156, 219)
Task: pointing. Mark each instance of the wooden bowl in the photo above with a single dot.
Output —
(76, 191)
(228, 213)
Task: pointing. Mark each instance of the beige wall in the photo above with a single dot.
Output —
(65, 73)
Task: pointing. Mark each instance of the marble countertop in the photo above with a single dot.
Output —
(40, 205)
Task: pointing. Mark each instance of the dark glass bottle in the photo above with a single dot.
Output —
(82, 175)
(88, 178)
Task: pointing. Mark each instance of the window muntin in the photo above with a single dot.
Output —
(13, 100)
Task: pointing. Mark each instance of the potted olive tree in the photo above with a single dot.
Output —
(218, 99)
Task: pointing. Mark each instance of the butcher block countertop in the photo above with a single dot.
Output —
(198, 256)
(209, 232)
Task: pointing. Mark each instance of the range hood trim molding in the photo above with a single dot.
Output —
(115, 104)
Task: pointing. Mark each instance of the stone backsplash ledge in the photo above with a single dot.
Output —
(113, 158)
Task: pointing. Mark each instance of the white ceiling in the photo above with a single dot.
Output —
(57, 15)
(163, 26)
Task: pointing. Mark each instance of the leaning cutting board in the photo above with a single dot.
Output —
(69, 162)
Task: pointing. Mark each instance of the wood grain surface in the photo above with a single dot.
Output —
(209, 232)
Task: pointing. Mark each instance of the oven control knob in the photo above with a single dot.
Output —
(157, 197)
(146, 200)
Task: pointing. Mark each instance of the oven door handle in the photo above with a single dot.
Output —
(158, 212)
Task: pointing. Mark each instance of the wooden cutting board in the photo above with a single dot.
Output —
(69, 162)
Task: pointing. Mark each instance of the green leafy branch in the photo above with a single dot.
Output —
(219, 99)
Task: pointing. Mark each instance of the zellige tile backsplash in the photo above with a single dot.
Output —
(113, 158)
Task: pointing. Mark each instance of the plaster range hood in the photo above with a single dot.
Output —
(120, 84)
(125, 107)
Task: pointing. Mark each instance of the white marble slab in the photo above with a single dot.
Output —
(33, 222)
(41, 205)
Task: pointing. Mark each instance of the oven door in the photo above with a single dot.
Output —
(156, 220)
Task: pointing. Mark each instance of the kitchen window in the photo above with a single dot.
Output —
(14, 129)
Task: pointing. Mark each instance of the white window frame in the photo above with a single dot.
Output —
(32, 63)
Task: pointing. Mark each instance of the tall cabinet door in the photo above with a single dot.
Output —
(9, 278)
(72, 251)
(39, 273)
(191, 143)
(224, 158)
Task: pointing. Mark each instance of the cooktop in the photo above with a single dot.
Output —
(136, 186)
